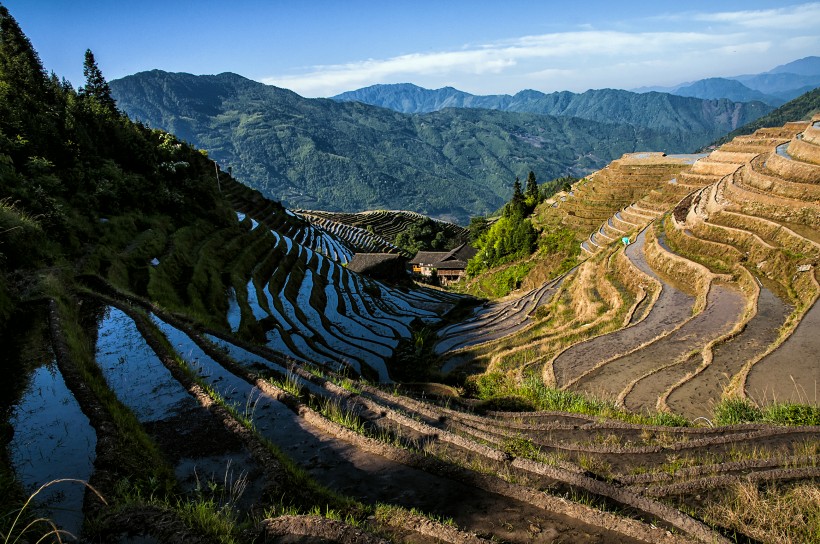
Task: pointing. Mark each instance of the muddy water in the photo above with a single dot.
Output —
(53, 439)
(252, 361)
(197, 445)
(133, 371)
(671, 309)
(371, 478)
(649, 388)
(699, 395)
(494, 321)
(791, 373)
(724, 307)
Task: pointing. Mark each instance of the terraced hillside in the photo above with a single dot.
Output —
(713, 297)
(245, 414)
(236, 383)
(239, 418)
(387, 224)
(287, 285)
(185, 361)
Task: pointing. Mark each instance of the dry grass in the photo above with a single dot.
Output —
(772, 515)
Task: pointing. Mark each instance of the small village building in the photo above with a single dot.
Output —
(448, 266)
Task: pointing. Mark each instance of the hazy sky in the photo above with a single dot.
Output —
(324, 47)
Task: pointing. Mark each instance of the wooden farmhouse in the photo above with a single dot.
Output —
(449, 266)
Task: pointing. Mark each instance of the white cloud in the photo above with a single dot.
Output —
(792, 17)
(584, 58)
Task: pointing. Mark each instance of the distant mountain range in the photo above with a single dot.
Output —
(451, 164)
(775, 87)
(660, 111)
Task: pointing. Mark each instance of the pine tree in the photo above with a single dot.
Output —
(95, 84)
(532, 187)
(518, 196)
(516, 204)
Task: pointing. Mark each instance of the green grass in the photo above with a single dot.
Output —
(290, 384)
(333, 410)
(733, 411)
(504, 392)
(499, 283)
(398, 516)
(210, 511)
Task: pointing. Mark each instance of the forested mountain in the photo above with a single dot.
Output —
(694, 116)
(801, 108)
(715, 87)
(348, 156)
(75, 173)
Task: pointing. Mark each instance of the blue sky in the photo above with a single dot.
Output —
(323, 47)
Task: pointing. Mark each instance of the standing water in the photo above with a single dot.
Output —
(53, 439)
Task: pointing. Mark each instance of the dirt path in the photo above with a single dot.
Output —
(672, 308)
(699, 394)
(771, 378)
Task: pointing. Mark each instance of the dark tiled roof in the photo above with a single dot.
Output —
(362, 263)
(464, 252)
(429, 257)
(455, 259)
(451, 265)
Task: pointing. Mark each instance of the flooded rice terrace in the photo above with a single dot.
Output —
(197, 445)
(52, 440)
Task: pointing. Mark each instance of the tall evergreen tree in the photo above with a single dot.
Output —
(518, 196)
(532, 187)
(516, 204)
(95, 84)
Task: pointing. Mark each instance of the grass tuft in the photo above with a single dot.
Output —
(503, 392)
(34, 527)
(733, 411)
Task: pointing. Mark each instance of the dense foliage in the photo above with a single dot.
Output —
(426, 235)
(512, 235)
(322, 154)
(71, 164)
(505, 243)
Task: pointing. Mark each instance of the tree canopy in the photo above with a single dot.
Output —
(69, 164)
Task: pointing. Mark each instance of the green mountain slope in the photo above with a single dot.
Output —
(695, 116)
(719, 87)
(323, 154)
(801, 108)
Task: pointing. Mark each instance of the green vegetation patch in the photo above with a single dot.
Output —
(733, 411)
(505, 392)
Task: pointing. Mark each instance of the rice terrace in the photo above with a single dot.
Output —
(629, 355)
